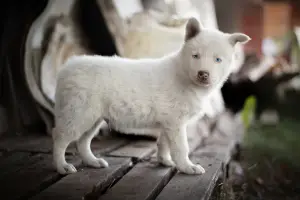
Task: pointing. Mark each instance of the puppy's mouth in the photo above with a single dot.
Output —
(202, 82)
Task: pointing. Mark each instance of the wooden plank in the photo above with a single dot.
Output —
(107, 144)
(15, 142)
(82, 183)
(16, 161)
(143, 182)
(30, 180)
(194, 187)
(135, 149)
(43, 144)
(30, 143)
(4, 160)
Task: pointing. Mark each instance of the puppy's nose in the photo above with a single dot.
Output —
(203, 75)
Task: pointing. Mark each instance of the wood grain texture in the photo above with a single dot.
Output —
(16, 161)
(29, 180)
(143, 182)
(43, 144)
(85, 181)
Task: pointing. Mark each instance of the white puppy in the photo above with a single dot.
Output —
(139, 96)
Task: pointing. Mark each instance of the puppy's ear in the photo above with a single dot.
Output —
(238, 37)
(193, 28)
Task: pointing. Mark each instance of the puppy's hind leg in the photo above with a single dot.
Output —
(60, 145)
(163, 151)
(84, 147)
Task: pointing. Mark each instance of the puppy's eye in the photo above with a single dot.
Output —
(196, 56)
(218, 60)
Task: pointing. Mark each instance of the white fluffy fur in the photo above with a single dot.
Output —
(142, 95)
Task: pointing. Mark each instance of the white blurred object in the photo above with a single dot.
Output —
(235, 169)
(295, 57)
(54, 7)
(177, 13)
(128, 8)
(239, 58)
(62, 44)
(266, 63)
(293, 84)
(33, 48)
(269, 117)
(297, 32)
(269, 47)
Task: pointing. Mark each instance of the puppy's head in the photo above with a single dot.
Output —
(208, 54)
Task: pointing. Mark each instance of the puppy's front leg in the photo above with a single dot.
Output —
(180, 151)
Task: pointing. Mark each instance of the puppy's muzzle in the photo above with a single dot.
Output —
(203, 77)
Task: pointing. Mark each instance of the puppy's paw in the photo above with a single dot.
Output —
(191, 169)
(166, 162)
(66, 169)
(98, 163)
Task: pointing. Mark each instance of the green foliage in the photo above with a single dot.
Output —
(281, 141)
(248, 111)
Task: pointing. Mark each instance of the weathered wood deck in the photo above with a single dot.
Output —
(26, 170)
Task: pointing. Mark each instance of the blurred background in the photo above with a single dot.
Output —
(38, 36)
